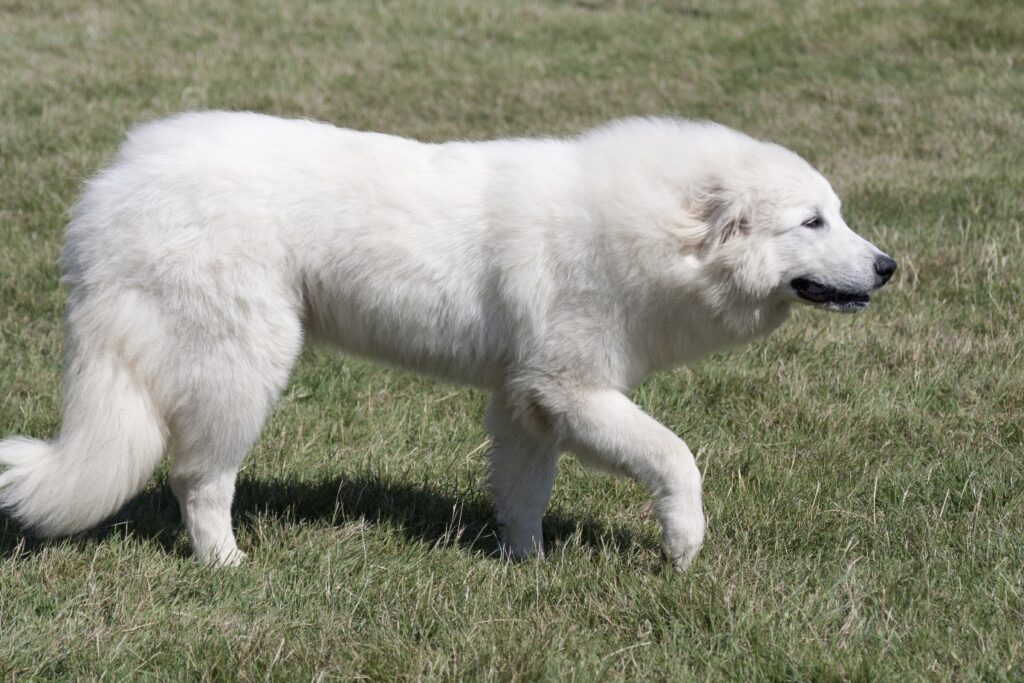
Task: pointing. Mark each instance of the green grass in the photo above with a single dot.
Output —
(864, 475)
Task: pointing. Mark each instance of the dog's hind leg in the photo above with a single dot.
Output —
(226, 407)
(208, 451)
(522, 473)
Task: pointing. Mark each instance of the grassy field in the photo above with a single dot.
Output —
(864, 475)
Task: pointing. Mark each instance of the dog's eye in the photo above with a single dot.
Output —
(814, 222)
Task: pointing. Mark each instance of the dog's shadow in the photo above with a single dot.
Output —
(421, 512)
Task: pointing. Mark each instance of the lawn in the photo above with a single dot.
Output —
(864, 475)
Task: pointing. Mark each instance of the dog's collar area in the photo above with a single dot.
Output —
(829, 297)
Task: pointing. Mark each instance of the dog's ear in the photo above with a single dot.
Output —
(724, 213)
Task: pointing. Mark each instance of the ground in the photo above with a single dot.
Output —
(863, 473)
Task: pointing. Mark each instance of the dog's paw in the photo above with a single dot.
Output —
(229, 557)
(682, 540)
(513, 552)
(680, 559)
(233, 559)
(520, 541)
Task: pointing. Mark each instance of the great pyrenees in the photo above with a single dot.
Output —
(555, 273)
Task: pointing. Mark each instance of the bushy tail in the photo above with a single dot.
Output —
(111, 440)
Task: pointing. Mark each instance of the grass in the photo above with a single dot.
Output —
(864, 475)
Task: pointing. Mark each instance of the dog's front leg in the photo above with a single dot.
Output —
(607, 430)
(523, 467)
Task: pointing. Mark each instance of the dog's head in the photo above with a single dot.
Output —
(773, 223)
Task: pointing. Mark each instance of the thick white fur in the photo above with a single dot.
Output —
(555, 273)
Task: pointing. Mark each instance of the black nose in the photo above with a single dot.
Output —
(885, 267)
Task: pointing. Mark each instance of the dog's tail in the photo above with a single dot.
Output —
(111, 440)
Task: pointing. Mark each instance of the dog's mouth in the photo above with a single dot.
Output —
(829, 297)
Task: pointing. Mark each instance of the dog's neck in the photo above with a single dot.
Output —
(669, 334)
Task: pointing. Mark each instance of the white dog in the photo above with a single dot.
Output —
(555, 273)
